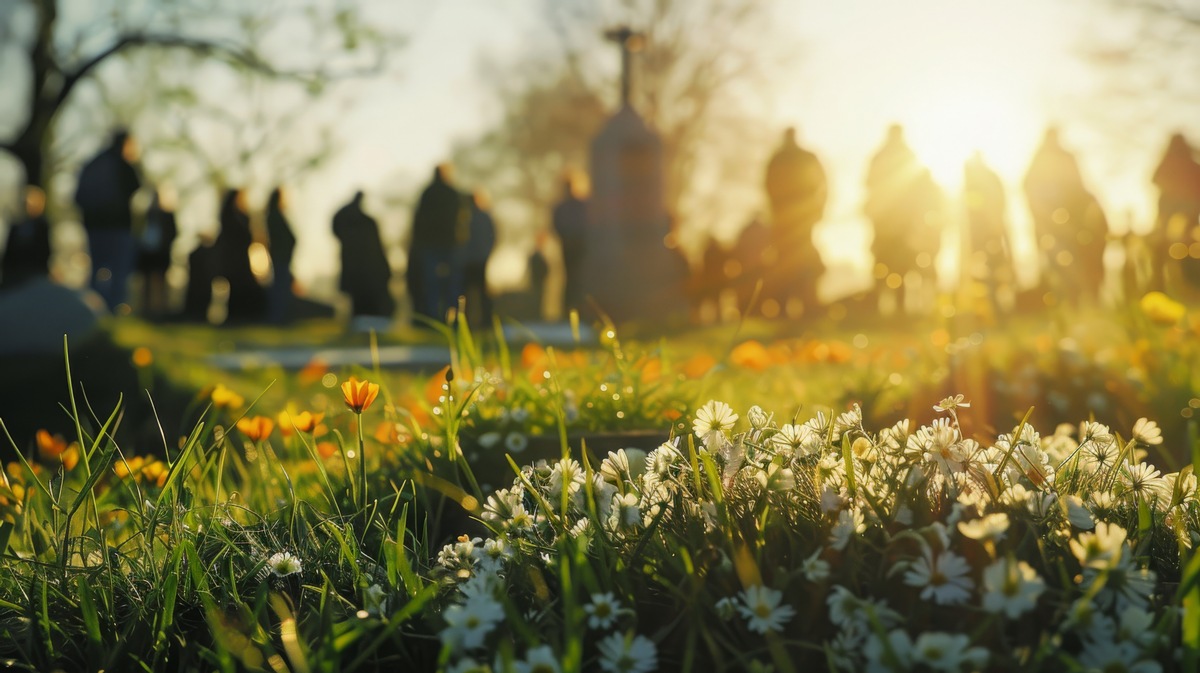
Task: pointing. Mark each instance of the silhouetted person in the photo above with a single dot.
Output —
(538, 269)
(1178, 181)
(106, 185)
(439, 225)
(366, 272)
(990, 258)
(708, 282)
(154, 254)
(203, 267)
(570, 221)
(1067, 221)
(281, 244)
(752, 258)
(247, 301)
(474, 253)
(1091, 239)
(902, 204)
(797, 189)
(27, 249)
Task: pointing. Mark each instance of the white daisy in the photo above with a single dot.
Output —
(1101, 548)
(1011, 589)
(284, 563)
(942, 577)
(712, 420)
(602, 611)
(627, 653)
(1147, 432)
(469, 623)
(539, 659)
(947, 652)
(762, 610)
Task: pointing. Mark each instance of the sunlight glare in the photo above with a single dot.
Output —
(950, 123)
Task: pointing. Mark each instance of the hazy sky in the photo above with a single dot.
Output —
(958, 74)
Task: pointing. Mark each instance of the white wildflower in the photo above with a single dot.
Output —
(627, 653)
(1147, 432)
(948, 652)
(1011, 589)
(1100, 549)
(942, 578)
(284, 563)
(713, 420)
(541, 659)
(761, 606)
(602, 611)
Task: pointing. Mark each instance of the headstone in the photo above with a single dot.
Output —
(35, 315)
(631, 268)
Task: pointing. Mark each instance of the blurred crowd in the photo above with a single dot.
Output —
(772, 270)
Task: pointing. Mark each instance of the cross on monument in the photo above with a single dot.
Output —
(629, 41)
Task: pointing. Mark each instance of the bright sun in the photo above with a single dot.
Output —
(947, 124)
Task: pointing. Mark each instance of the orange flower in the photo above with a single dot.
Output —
(313, 371)
(359, 394)
(50, 446)
(155, 472)
(70, 457)
(124, 468)
(256, 428)
(305, 421)
(434, 390)
(699, 365)
(533, 356)
(751, 355)
(142, 357)
(327, 449)
(651, 370)
(224, 398)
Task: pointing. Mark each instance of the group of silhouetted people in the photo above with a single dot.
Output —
(908, 212)
(776, 263)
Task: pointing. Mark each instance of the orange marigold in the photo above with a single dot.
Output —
(359, 394)
(256, 428)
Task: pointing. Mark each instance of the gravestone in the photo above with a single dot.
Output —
(631, 268)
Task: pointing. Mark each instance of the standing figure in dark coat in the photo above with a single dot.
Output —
(481, 239)
(1068, 222)
(439, 226)
(247, 301)
(27, 249)
(366, 272)
(154, 255)
(797, 190)
(203, 268)
(281, 244)
(570, 221)
(903, 204)
(990, 258)
(106, 185)
(1178, 181)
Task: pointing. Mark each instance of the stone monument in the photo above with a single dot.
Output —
(631, 268)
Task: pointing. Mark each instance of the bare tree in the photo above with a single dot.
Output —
(1150, 50)
(63, 45)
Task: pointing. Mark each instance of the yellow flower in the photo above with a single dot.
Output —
(359, 394)
(256, 428)
(225, 398)
(156, 472)
(1161, 309)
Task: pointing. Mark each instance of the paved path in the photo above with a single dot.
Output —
(422, 356)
